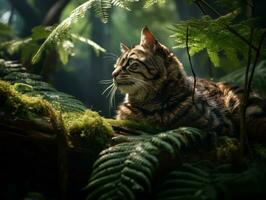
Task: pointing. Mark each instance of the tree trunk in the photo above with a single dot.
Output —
(97, 66)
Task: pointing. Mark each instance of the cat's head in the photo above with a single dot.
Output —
(142, 70)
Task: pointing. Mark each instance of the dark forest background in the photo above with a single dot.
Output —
(81, 74)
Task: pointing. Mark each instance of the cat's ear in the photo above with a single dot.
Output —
(147, 39)
(123, 48)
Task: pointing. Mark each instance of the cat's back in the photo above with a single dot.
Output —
(229, 99)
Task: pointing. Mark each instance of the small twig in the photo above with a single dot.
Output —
(54, 12)
(201, 8)
(230, 29)
(191, 68)
(257, 55)
(243, 126)
(211, 76)
(248, 80)
(218, 14)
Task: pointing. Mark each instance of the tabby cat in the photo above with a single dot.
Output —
(157, 90)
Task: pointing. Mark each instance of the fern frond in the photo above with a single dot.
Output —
(149, 3)
(213, 36)
(135, 161)
(95, 46)
(193, 181)
(5, 32)
(62, 31)
(101, 8)
(32, 84)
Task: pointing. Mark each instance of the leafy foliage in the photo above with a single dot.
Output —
(259, 81)
(213, 36)
(95, 46)
(31, 84)
(62, 31)
(130, 170)
(127, 169)
(26, 48)
(149, 3)
(5, 32)
(199, 181)
(25, 96)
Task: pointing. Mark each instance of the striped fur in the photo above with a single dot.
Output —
(157, 90)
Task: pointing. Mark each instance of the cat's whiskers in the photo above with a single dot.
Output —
(110, 57)
(110, 91)
(112, 97)
(111, 94)
(107, 81)
(109, 87)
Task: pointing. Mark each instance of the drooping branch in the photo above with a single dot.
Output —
(257, 56)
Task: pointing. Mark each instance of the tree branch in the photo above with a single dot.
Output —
(54, 12)
(191, 67)
(255, 61)
(243, 125)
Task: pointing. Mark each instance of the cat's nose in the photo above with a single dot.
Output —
(115, 72)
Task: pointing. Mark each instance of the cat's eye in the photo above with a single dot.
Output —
(133, 66)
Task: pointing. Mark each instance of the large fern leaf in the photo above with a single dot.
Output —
(62, 31)
(213, 36)
(198, 182)
(32, 84)
(128, 169)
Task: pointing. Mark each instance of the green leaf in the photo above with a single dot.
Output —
(6, 31)
(63, 55)
(94, 45)
(213, 35)
(149, 3)
(215, 59)
(40, 32)
(32, 85)
(135, 160)
(62, 31)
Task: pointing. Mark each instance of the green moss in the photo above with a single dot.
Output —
(88, 128)
(139, 126)
(228, 149)
(13, 103)
(22, 87)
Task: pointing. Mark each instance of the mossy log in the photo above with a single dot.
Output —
(47, 151)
